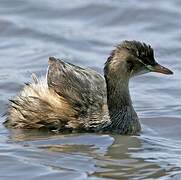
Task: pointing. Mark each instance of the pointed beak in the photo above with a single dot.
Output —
(160, 69)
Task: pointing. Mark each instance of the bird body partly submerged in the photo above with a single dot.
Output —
(70, 98)
(77, 99)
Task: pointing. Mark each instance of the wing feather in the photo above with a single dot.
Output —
(84, 89)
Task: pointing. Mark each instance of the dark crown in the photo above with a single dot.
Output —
(141, 50)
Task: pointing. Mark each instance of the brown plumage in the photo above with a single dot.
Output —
(74, 98)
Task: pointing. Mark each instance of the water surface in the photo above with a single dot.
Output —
(84, 33)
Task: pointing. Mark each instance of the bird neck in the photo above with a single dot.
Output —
(124, 119)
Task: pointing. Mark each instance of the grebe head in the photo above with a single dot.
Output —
(132, 58)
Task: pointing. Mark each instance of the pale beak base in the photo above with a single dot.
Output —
(160, 69)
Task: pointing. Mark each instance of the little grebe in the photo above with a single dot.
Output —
(74, 98)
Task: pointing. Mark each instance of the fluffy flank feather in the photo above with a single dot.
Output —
(41, 107)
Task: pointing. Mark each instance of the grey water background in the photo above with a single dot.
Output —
(84, 33)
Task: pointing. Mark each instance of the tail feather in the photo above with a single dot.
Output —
(38, 106)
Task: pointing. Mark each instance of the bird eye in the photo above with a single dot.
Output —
(130, 65)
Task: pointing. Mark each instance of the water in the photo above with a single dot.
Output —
(84, 32)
